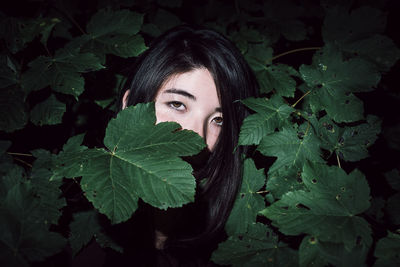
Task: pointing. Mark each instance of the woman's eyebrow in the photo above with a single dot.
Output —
(180, 92)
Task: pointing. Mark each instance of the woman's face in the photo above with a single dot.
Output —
(191, 100)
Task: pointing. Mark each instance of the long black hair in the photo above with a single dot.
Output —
(183, 49)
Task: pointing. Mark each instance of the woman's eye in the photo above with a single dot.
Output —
(176, 105)
(218, 121)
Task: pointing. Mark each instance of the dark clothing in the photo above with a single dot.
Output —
(136, 236)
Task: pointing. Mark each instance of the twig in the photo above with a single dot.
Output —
(19, 154)
(24, 162)
(309, 91)
(295, 51)
(338, 160)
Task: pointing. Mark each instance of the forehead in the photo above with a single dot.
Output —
(198, 82)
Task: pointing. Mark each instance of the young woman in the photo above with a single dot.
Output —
(197, 77)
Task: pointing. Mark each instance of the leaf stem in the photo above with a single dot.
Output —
(309, 91)
(19, 154)
(338, 160)
(262, 192)
(24, 162)
(295, 51)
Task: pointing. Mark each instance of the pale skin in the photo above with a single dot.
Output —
(190, 99)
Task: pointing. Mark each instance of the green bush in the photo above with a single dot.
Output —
(312, 194)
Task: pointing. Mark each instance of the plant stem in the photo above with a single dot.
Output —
(338, 160)
(262, 192)
(309, 91)
(295, 51)
(24, 162)
(19, 154)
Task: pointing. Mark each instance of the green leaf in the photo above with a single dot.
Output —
(280, 79)
(62, 73)
(349, 143)
(271, 114)
(328, 209)
(142, 161)
(259, 247)
(244, 39)
(334, 80)
(69, 162)
(12, 109)
(48, 112)
(165, 20)
(313, 252)
(24, 235)
(112, 32)
(46, 189)
(359, 32)
(8, 71)
(378, 49)
(83, 227)
(292, 148)
(393, 209)
(282, 181)
(37, 76)
(107, 21)
(342, 26)
(387, 251)
(393, 179)
(248, 202)
(259, 56)
(4, 146)
(18, 32)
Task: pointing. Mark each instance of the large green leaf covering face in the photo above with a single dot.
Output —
(142, 160)
(248, 202)
(258, 247)
(328, 209)
(271, 114)
(334, 80)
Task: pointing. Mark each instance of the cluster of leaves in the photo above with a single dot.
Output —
(310, 120)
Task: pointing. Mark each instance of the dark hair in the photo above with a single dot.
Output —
(183, 49)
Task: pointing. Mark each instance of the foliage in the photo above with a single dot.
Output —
(319, 189)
